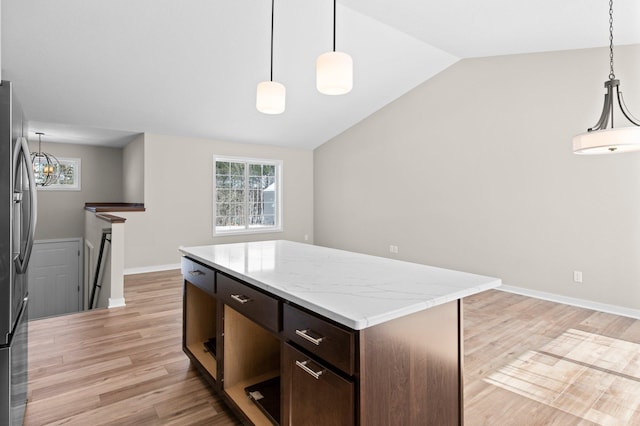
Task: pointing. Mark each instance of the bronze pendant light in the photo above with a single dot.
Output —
(602, 140)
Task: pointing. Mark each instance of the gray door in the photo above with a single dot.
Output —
(54, 278)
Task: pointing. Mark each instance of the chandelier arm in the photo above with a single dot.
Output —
(52, 175)
(57, 169)
(604, 117)
(625, 110)
(48, 179)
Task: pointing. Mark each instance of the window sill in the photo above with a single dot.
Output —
(247, 232)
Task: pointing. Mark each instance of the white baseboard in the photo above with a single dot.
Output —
(581, 303)
(116, 302)
(146, 269)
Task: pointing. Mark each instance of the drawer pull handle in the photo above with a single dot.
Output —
(240, 298)
(304, 334)
(316, 374)
(196, 273)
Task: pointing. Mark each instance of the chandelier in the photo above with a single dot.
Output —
(46, 167)
(598, 139)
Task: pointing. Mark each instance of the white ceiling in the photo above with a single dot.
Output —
(99, 72)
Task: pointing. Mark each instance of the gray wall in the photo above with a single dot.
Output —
(178, 175)
(61, 213)
(473, 170)
(133, 171)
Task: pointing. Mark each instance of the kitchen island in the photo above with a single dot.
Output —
(296, 334)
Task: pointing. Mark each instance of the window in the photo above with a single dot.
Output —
(248, 195)
(69, 179)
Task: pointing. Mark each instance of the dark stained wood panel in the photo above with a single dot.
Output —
(403, 362)
(114, 207)
(326, 400)
(336, 344)
(260, 307)
(198, 275)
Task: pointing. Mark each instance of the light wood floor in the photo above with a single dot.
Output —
(122, 366)
(532, 362)
(527, 362)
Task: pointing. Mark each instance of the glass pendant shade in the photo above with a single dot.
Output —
(611, 141)
(270, 97)
(46, 167)
(334, 73)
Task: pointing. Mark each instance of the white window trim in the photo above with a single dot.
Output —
(279, 210)
(77, 186)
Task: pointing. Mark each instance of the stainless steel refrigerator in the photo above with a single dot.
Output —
(17, 227)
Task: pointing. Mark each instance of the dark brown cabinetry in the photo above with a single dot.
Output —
(313, 394)
(199, 317)
(253, 304)
(305, 369)
(334, 344)
(199, 275)
(318, 385)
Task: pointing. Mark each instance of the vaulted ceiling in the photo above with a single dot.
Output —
(97, 72)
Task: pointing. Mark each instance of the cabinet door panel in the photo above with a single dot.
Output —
(313, 394)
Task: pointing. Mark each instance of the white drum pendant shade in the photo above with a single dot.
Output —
(612, 141)
(600, 139)
(270, 97)
(334, 73)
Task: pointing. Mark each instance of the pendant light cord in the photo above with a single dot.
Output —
(334, 25)
(39, 143)
(272, 14)
(612, 75)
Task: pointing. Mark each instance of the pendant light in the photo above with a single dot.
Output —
(598, 139)
(271, 95)
(334, 70)
(46, 167)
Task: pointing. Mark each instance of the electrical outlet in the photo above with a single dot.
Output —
(306, 237)
(577, 276)
(393, 249)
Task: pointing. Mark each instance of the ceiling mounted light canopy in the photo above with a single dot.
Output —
(598, 139)
(334, 70)
(46, 167)
(271, 95)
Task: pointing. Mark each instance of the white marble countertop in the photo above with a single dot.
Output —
(356, 290)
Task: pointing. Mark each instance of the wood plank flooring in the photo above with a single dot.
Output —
(527, 362)
(533, 362)
(120, 366)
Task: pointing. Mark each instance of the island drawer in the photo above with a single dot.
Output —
(313, 394)
(198, 275)
(252, 303)
(320, 337)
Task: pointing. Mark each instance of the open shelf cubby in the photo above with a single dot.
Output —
(251, 356)
(200, 326)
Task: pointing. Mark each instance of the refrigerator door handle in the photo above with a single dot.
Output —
(23, 147)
